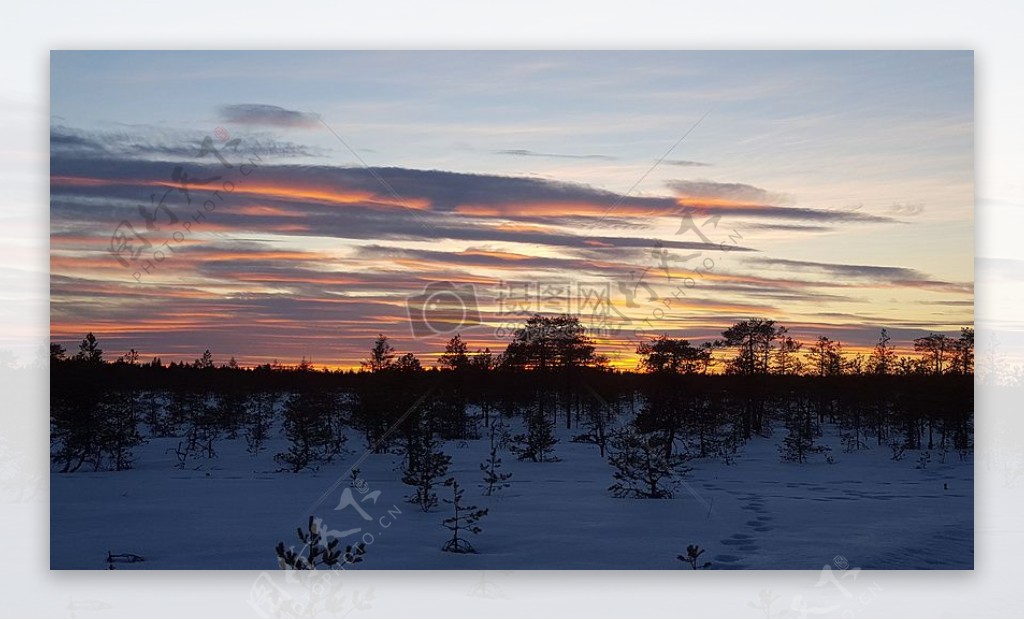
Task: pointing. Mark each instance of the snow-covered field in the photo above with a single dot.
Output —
(758, 513)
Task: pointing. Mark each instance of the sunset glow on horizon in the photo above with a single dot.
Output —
(303, 203)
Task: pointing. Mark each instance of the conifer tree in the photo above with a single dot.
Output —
(57, 353)
(259, 419)
(230, 411)
(692, 557)
(803, 429)
(538, 441)
(307, 428)
(89, 350)
(787, 361)
(118, 429)
(963, 352)
(319, 549)
(643, 468)
(195, 411)
(425, 464)
(494, 480)
(596, 424)
(826, 356)
(74, 418)
(382, 355)
(155, 415)
(205, 362)
(883, 358)
(464, 519)
(936, 350)
(454, 357)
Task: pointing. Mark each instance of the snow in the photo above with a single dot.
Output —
(757, 513)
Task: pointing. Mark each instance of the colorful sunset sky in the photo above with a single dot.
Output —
(830, 191)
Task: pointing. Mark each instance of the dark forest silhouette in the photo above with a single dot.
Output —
(684, 401)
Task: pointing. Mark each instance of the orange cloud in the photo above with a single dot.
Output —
(556, 209)
(494, 254)
(328, 195)
(298, 193)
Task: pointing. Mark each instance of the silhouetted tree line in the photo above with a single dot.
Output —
(684, 401)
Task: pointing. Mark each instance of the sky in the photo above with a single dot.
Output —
(287, 205)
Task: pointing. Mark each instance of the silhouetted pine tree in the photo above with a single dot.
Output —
(494, 480)
(306, 427)
(538, 441)
(74, 420)
(692, 557)
(464, 519)
(319, 549)
(425, 464)
(118, 432)
(230, 411)
(598, 413)
(803, 430)
(259, 419)
(643, 468)
(154, 414)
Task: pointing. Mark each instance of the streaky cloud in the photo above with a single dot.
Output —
(685, 163)
(529, 153)
(267, 115)
(736, 192)
(148, 143)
